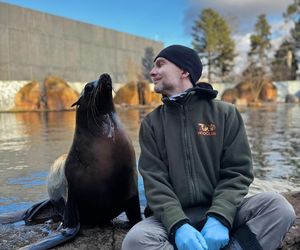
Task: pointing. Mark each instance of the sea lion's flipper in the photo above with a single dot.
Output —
(41, 212)
(71, 226)
(38, 213)
(133, 211)
(54, 239)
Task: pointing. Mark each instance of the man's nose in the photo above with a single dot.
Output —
(152, 72)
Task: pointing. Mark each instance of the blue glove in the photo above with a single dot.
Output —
(215, 234)
(187, 237)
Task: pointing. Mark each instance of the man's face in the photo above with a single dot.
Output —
(167, 77)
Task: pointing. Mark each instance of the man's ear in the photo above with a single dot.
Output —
(185, 74)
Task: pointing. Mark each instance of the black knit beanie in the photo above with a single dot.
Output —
(184, 58)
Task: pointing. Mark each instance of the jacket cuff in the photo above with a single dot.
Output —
(171, 216)
(225, 210)
(220, 219)
(174, 229)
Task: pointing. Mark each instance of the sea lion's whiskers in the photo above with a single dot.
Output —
(94, 109)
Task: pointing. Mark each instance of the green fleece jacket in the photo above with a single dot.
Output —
(194, 153)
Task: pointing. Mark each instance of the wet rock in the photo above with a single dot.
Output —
(110, 237)
(268, 93)
(103, 238)
(243, 93)
(135, 94)
(53, 94)
(230, 95)
(155, 98)
(127, 95)
(146, 95)
(14, 236)
(58, 95)
(291, 98)
(28, 97)
(292, 238)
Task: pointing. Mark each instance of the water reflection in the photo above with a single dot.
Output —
(30, 142)
(273, 133)
(131, 118)
(12, 136)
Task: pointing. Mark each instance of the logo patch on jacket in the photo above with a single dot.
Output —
(207, 129)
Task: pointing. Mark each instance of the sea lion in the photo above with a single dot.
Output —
(97, 179)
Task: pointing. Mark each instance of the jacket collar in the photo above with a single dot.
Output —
(202, 89)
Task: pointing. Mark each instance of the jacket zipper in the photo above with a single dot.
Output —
(188, 156)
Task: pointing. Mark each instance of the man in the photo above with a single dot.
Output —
(197, 167)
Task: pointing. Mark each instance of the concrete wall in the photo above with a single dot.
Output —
(34, 45)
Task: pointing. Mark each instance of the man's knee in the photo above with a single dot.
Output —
(283, 206)
(269, 216)
(147, 234)
(280, 207)
(133, 239)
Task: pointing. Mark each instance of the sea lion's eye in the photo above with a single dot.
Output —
(88, 88)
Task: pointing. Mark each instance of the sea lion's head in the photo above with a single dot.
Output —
(95, 102)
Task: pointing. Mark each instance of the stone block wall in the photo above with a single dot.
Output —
(34, 45)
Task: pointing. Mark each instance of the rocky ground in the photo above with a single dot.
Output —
(292, 239)
(110, 237)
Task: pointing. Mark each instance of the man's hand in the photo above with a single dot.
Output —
(187, 237)
(215, 234)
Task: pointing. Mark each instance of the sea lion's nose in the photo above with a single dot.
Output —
(105, 77)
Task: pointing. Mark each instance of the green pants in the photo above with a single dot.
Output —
(268, 215)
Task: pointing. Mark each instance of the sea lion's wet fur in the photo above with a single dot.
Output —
(97, 179)
(100, 167)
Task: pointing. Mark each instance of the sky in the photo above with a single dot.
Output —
(169, 21)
